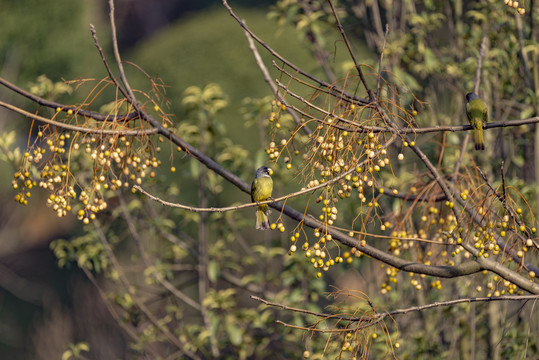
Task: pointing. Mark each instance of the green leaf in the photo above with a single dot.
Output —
(214, 269)
(235, 334)
(67, 355)
(518, 160)
(195, 168)
(527, 112)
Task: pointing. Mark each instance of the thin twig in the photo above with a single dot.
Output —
(65, 108)
(271, 201)
(267, 78)
(104, 60)
(135, 235)
(379, 81)
(350, 52)
(503, 200)
(136, 300)
(382, 315)
(320, 55)
(288, 63)
(333, 91)
(130, 95)
(482, 52)
(80, 129)
(115, 315)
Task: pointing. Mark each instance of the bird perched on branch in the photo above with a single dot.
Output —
(477, 112)
(261, 191)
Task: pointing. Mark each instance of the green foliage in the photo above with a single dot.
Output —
(311, 22)
(517, 343)
(9, 153)
(75, 351)
(45, 88)
(86, 251)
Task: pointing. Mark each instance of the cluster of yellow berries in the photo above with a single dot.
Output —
(391, 278)
(26, 184)
(279, 226)
(515, 5)
(344, 156)
(340, 152)
(493, 287)
(318, 254)
(113, 160)
(60, 202)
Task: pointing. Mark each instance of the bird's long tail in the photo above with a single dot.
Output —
(262, 221)
(478, 136)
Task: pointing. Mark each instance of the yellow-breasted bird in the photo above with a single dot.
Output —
(477, 112)
(261, 191)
